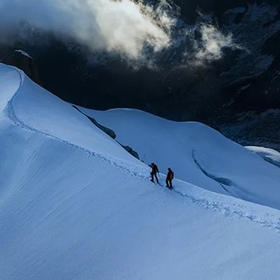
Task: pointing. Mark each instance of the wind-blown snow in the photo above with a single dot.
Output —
(75, 205)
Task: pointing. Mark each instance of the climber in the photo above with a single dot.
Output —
(169, 178)
(154, 172)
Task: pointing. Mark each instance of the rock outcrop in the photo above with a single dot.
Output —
(23, 61)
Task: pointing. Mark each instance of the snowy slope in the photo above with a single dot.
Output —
(40, 110)
(197, 153)
(267, 154)
(74, 205)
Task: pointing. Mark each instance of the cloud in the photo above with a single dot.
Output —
(110, 25)
(134, 30)
(212, 43)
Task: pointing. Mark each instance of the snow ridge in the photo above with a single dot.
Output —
(114, 161)
(233, 207)
(228, 206)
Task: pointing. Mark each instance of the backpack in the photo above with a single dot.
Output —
(171, 175)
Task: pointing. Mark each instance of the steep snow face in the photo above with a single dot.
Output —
(40, 110)
(71, 210)
(66, 214)
(197, 153)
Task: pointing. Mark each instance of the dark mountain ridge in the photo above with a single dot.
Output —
(245, 79)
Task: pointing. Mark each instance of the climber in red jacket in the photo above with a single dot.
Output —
(169, 178)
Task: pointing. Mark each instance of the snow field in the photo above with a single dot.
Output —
(75, 205)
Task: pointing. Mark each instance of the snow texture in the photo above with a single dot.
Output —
(198, 154)
(75, 205)
(267, 154)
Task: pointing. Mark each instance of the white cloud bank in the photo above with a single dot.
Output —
(118, 26)
(111, 25)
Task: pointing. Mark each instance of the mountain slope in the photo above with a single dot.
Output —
(71, 210)
(197, 153)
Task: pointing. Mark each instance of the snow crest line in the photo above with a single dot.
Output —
(114, 161)
(228, 206)
(268, 217)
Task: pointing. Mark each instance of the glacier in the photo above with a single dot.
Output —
(75, 205)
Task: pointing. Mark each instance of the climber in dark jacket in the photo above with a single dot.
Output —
(154, 172)
(169, 178)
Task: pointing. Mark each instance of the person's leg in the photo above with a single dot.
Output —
(157, 178)
(167, 183)
(170, 184)
(152, 177)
